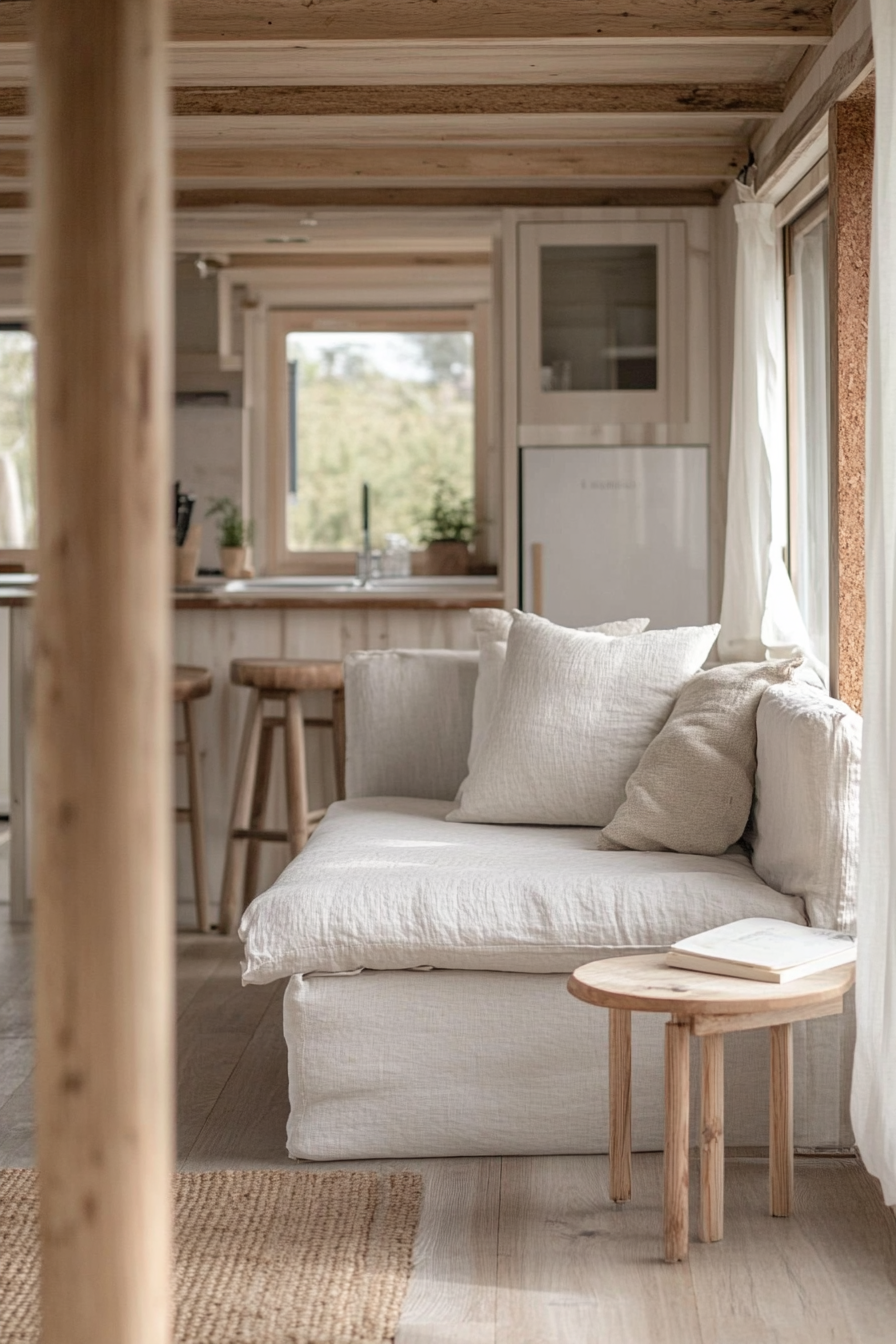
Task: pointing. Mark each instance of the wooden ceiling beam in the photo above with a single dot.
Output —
(745, 100)
(748, 100)
(341, 165)
(494, 195)
(234, 21)
(423, 161)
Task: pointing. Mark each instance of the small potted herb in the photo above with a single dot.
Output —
(448, 528)
(234, 535)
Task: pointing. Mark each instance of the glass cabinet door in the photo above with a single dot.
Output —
(596, 305)
(598, 318)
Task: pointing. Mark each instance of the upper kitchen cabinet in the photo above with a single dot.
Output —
(603, 323)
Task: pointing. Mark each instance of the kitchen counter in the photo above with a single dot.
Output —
(216, 621)
(288, 594)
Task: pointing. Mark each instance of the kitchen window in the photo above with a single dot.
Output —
(809, 400)
(389, 398)
(18, 485)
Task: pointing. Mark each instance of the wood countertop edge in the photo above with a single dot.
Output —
(308, 601)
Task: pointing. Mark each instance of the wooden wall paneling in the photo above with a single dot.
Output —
(103, 823)
(851, 165)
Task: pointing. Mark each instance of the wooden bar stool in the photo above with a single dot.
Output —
(193, 683)
(283, 680)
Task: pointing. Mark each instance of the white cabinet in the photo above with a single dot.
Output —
(603, 323)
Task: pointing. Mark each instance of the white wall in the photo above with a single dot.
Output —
(208, 462)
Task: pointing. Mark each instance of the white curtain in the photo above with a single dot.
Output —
(760, 615)
(13, 528)
(874, 1080)
(810, 445)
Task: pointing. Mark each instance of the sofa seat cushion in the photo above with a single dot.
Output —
(388, 884)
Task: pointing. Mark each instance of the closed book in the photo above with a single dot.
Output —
(763, 949)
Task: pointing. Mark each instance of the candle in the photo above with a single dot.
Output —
(365, 508)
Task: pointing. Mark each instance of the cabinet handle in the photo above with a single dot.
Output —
(538, 578)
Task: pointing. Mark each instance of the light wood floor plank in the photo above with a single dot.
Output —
(246, 1126)
(213, 1031)
(573, 1268)
(198, 957)
(16, 1064)
(17, 1127)
(826, 1273)
(453, 1294)
(519, 1250)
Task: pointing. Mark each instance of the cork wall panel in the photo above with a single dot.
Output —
(852, 159)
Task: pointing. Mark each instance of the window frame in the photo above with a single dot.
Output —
(280, 322)
(813, 212)
(21, 559)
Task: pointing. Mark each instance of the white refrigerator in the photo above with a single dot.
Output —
(608, 533)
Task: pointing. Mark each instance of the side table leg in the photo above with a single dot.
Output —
(712, 1138)
(620, 1104)
(780, 1139)
(675, 1156)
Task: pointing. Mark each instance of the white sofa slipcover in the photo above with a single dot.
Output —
(427, 1012)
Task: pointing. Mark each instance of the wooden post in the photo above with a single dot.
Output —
(712, 1138)
(104, 900)
(620, 1104)
(675, 1155)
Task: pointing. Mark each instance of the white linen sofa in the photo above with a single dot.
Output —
(427, 1011)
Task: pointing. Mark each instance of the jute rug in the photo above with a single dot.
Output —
(263, 1257)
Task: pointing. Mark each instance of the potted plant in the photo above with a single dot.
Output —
(447, 529)
(234, 535)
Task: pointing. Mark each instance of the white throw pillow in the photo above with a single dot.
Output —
(806, 810)
(491, 626)
(693, 788)
(576, 711)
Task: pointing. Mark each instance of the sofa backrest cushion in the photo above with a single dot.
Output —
(409, 717)
(806, 807)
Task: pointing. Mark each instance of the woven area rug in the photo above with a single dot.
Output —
(263, 1257)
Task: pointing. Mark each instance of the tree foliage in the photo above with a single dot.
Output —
(403, 435)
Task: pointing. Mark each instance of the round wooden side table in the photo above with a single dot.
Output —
(707, 1006)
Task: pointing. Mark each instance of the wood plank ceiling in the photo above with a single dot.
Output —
(286, 107)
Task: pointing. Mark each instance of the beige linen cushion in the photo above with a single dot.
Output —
(576, 711)
(693, 788)
(491, 626)
(806, 810)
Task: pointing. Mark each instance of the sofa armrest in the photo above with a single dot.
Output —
(408, 720)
